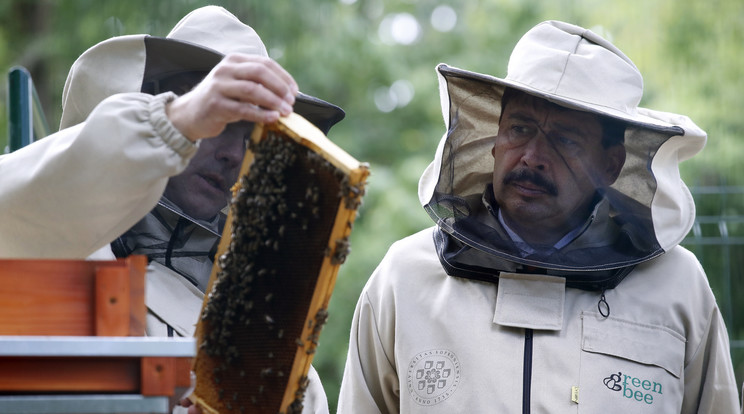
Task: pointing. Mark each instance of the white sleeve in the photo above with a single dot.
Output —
(370, 382)
(711, 386)
(73, 192)
(315, 401)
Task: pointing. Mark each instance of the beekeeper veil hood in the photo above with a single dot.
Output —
(646, 211)
(137, 63)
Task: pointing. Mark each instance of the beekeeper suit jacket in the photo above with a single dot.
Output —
(456, 319)
(71, 194)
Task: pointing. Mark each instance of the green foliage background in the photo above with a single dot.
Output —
(690, 52)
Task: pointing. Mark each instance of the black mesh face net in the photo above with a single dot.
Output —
(614, 231)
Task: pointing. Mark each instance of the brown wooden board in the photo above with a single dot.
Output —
(148, 376)
(73, 297)
(69, 375)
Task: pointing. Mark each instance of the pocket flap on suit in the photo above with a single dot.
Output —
(642, 343)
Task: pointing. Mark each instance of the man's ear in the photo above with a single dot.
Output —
(615, 159)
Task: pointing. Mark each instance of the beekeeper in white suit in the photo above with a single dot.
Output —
(553, 281)
(151, 139)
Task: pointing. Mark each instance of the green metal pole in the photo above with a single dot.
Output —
(20, 120)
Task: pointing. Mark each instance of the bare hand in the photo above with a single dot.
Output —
(240, 88)
(192, 408)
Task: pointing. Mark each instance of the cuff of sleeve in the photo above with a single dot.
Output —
(165, 129)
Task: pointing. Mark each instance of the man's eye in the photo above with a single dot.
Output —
(567, 144)
(522, 130)
(566, 141)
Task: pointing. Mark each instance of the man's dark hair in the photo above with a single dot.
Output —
(613, 130)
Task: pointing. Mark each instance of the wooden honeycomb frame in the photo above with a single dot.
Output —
(286, 236)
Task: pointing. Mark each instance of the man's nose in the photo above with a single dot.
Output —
(537, 151)
(230, 151)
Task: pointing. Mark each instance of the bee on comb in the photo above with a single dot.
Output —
(287, 234)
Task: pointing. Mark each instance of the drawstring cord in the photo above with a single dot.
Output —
(603, 306)
(175, 235)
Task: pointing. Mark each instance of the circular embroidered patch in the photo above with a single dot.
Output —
(433, 376)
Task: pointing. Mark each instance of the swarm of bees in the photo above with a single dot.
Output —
(255, 316)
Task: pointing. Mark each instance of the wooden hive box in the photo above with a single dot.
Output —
(77, 326)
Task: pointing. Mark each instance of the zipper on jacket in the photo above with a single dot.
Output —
(527, 372)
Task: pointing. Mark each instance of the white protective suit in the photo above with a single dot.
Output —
(71, 194)
(619, 320)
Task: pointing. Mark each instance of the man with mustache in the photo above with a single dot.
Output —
(553, 281)
(548, 164)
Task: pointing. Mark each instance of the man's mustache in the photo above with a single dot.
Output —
(530, 176)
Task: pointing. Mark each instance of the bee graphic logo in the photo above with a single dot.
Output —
(613, 382)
